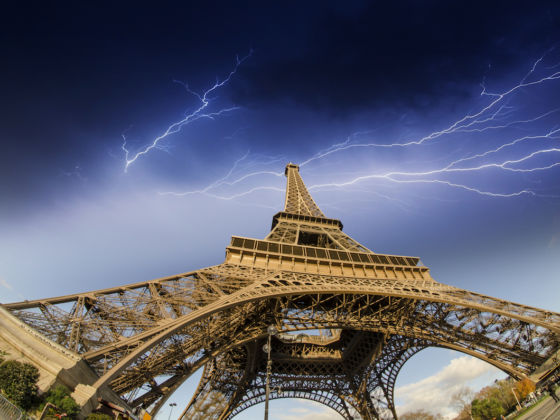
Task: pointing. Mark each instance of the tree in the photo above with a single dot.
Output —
(19, 382)
(487, 408)
(499, 391)
(490, 401)
(502, 392)
(420, 415)
(461, 400)
(59, 395)
(524, 388)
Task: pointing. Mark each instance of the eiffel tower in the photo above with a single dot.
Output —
(346, 319)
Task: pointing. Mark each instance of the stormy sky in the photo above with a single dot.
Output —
(429, 128)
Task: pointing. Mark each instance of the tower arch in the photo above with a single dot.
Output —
(305, 274)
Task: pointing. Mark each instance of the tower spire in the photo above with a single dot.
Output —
(305, 275)
(298, 199)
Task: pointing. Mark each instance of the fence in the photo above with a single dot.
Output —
(8, 411)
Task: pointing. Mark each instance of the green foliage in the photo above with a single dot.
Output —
(502, 392)
(99, 416)
(59, 395)
(492, 401)
(18, 381)
(487, 408)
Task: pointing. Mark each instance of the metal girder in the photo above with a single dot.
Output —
(375, 312)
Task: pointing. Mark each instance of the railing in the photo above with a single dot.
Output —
(321, 253)
(8, 411)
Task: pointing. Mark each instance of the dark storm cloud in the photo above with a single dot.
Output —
(319, 54)
(410, 53)
(75, 75)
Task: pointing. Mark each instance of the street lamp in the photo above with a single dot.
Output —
(516, 399)
(271, 330)
(170, 411)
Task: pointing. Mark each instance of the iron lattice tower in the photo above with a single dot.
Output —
(375, 311)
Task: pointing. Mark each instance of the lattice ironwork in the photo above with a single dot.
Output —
(374, 312)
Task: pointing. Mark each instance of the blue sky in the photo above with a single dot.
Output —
(432, 134)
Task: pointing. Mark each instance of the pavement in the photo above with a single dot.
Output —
(547, 410)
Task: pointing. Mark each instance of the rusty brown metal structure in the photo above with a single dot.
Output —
(348, 319)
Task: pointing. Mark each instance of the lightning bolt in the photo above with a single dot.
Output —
(464, 124)
(495, 115)
(469, 123)
(505, 165)
(347, 144)
(549, 135)
(225, 197)
(225, 181)
(197, 114)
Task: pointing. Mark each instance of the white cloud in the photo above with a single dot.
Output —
(434, 393)
(308, 410)
(5, 284)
